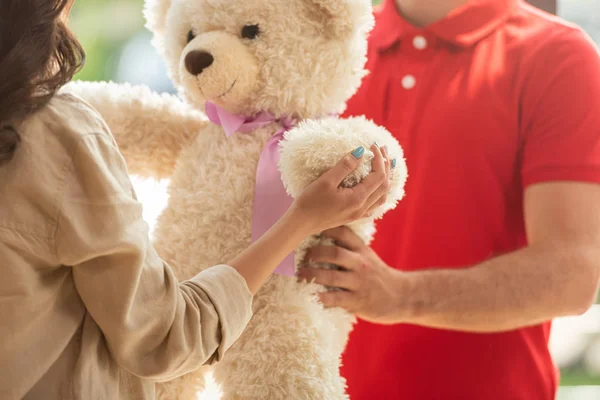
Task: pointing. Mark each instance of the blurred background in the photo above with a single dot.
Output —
(118, 49)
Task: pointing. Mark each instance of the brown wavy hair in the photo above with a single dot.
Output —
(38, 55)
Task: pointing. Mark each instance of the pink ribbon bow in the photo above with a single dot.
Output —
(271, 200)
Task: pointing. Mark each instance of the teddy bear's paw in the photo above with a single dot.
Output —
(314, 146)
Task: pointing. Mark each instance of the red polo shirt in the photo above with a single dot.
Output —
(494, 98)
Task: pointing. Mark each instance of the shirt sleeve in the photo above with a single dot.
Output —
(560, 112)
(155, 327)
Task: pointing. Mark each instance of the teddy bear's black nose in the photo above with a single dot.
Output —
(197, 61)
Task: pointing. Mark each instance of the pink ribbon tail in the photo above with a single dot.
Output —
(271, 200)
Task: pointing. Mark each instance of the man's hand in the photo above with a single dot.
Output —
(371, 289)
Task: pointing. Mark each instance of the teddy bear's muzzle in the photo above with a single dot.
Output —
(197, 61)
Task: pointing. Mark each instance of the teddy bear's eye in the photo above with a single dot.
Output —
(250, 31)
(190, 36)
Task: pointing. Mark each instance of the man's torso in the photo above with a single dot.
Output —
(453, 94)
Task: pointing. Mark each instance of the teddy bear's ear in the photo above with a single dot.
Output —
(155, 12)
(344, 17)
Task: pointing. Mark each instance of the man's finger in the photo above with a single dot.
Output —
(329, 277)
(335, 255)
(344, 237)
(345, 166)
(345, 300)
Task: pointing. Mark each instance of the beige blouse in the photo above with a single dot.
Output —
(87, 308)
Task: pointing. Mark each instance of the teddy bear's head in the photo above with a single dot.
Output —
(300, 58)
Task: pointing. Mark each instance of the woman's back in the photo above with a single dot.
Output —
(46, 334)
(87, 306)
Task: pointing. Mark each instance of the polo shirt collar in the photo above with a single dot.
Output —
(463, 27)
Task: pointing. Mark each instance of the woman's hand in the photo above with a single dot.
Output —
(324, 204)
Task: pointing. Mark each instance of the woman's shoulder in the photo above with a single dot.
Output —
(65, 150)
(32, 183)
(62, 132)
(76, 115)
(65, 119)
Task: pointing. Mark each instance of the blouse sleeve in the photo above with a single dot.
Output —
(155, 327)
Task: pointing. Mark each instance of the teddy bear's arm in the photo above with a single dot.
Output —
(151, 129)
(314, 146)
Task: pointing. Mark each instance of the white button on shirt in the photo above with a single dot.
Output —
(419, 42)
(409, 82)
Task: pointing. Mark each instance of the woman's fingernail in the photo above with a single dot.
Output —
(393, 163)
(377, 144)
(358, 153)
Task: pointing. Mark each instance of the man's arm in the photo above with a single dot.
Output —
(556, 275)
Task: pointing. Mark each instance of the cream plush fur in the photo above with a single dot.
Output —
(306, 61)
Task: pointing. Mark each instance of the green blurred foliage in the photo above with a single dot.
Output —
(103, 27)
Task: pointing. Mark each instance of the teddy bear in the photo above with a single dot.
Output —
(260, 84)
